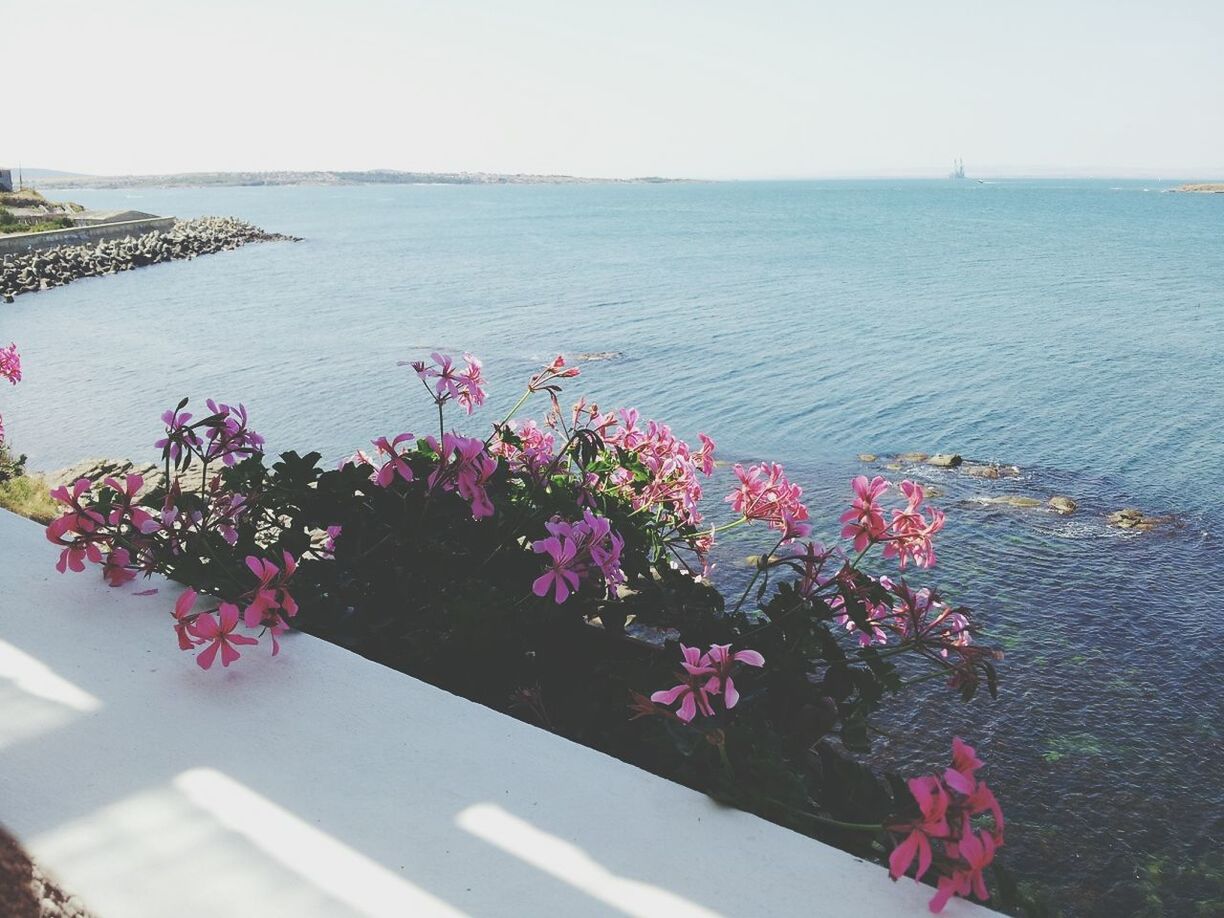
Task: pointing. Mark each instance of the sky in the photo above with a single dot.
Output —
(679, 88)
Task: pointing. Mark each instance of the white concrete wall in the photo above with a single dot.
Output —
(321, 784)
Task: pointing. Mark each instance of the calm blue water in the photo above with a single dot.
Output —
(1075, 329)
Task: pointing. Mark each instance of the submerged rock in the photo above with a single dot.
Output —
(991, 471)
(1134, 518)
(1010, 500)
(945, 460)
(913, 457)
(1063, 505)
(867, 457)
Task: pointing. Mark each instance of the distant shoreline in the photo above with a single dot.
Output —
(1201, 188)
(326, 178)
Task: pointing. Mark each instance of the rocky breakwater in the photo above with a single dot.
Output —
(41, 270)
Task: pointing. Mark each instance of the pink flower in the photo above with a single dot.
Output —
(329, 542)
(587, 549)
(464, 465)
(533, 453)
(115, 571)
(466, 386)
(933, 802)
(948, 803)
(983, 800)
(876, 614)
(909, 535)
(964, 763)
(229, 436)
(395, 464)
(671, 488)
(179, 435)
(921, 616)
(126, 509)
(471, 384)
(219, 629)
(543, 381)
(183, 619)
(809, 561)
(560, 575)
(765, 493)
(721, 659)
(705, 457)
(10, 364)
(976, 851)
(270, 600)
(77, 529)
(692, 692)
(865, 518)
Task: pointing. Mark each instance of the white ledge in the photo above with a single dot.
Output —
(321, 784)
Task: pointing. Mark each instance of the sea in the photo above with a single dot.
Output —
(1073, 329)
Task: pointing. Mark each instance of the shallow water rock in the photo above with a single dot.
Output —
(1063, 505)
(991, 471)
(867, 457)
(1018, 501)
(913, 457)
(1134, 518)
(945, 460)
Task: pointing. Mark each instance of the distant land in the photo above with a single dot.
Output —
(1202, 188)
(47, 179)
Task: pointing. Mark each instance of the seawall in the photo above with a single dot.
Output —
(114, 247)
(17, 243)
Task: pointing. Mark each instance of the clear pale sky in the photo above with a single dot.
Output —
(696, 88)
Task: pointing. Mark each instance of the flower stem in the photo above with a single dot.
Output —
(830, 821)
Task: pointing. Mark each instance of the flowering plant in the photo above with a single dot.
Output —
(555, 567)
(10, 370)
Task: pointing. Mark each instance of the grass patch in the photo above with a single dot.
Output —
(27, 495)
(10, 224)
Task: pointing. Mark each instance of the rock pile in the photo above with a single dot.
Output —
(98, 469)
(32, 271)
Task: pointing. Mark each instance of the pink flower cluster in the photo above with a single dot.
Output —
(10, 369)
(466, 385)
(704, 675)
(672, 485)
(581, 551)
(107, 527)
(269, 605)
(765, 494)
(534, 452)
(466, 466)
(907, 536)
(944, 834)
(10, 364)
(228, 435)
(916, 615)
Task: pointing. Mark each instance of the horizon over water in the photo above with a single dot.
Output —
(1074, 328)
